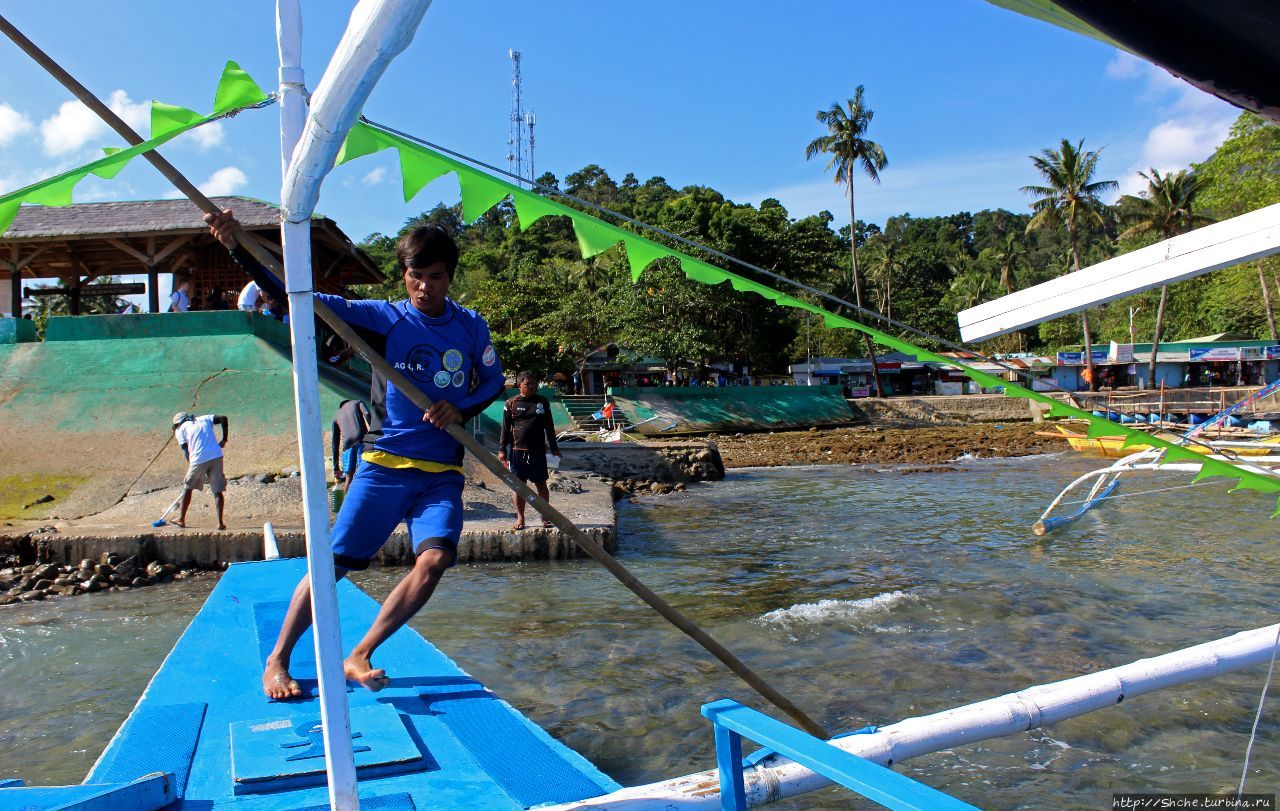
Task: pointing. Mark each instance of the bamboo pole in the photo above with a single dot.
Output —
(482, 454)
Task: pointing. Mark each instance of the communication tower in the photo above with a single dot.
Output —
(518, 145)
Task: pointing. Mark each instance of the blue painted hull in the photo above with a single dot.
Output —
(436, 738)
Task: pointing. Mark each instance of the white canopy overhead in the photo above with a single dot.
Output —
(1223, 244)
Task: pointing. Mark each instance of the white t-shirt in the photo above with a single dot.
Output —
(249, 296)
(197, 434)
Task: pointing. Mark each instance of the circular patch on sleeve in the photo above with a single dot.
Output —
(442, 379)
(459, 378)
(452, 360)
(490, 357)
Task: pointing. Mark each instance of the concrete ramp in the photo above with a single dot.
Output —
(85, 415)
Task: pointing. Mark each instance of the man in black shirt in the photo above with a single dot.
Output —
(527, 432)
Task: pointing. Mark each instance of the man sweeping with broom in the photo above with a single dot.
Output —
(204, 459)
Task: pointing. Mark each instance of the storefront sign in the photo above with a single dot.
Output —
(1070, 358)
(1213, 353)
(1273, 352)
(859, 391)
(1120, 353)
(1250, 353)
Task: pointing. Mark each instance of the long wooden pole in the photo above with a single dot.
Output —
(482, 454)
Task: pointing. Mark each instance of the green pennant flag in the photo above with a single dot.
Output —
(56, 194)
(531, 207)
(165, 118)
(112, 169)
(594, 237)
(235, 89)
(8, 211)
(701, 271)
(641, 253)
(362, 140)
(418, 169)
(479, 194)
(747, 286)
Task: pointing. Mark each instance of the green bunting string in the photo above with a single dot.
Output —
(481, 192)
(235, 90)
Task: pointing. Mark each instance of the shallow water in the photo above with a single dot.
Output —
(867, 596)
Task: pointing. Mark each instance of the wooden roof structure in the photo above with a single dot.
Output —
(85, 241)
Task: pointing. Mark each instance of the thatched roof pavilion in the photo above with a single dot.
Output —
(79, 243)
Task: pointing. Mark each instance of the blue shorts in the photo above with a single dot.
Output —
(351, 459)
(430, 504)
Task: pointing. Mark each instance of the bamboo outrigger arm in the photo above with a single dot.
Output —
(332, 141)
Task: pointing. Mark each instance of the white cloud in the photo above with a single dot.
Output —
(375, 177)
(12, 124)
(224, 181)
(208, 136)
(74, 126)
(1194, 123)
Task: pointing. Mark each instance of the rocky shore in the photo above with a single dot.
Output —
(22, 584)
(920, 445)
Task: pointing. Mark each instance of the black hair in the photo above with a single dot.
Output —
(426, 245)
(525, 375)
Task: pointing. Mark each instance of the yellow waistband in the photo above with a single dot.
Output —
(401, 462)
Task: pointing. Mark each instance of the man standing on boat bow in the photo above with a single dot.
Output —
(414, 470)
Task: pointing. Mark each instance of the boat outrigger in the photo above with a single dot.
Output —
(203, 736)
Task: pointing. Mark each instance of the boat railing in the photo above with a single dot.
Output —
(1209, 400)
(732, 721)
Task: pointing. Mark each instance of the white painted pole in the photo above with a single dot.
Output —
(270, 547)
(777, 777)
(296, 242)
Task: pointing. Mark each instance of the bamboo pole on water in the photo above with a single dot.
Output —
(482, 454)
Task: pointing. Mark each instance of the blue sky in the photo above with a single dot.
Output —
(713, 93)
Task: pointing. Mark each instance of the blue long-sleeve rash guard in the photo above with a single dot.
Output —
(441, 355)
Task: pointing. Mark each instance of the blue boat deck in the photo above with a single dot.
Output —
(436, 738)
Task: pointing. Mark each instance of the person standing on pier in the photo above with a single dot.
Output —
(414, 468)
(526, 420)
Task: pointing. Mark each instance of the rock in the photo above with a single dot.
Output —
(102, 570)
(62, 581)
(139, 582)
(70, 589)
(91, 586)
(170, 568)
(128, 568)
(86, 564)
(154, 569)
(32, 596)
(117, 580)
(45, 499)
(46, 572)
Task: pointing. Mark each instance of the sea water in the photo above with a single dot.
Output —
(867, 595)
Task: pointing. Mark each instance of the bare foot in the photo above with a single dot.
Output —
(179, 524)
(222, 526)
(278, 684)
(518, 525)
(360, 670)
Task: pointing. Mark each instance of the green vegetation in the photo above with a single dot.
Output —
(549, 308)
(26, 495)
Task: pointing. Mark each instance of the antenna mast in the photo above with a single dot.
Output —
(517, 148)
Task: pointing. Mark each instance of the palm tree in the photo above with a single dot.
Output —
(848, 148)
(1009, 256)
(1071, 197)
(1164, 208)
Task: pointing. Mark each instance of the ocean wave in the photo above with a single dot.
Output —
(829, 610)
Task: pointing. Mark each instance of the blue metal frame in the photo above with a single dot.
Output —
(731, 721)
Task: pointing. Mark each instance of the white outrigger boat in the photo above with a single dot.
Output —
(203, 736)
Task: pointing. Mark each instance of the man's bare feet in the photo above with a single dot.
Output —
(278, 684)
(518, 525)
(222, 526)
(360, 670)
(179, 524)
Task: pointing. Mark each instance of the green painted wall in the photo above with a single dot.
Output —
(698, 409)
(17, 331)
(491, 418)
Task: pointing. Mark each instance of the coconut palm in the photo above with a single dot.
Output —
(1071, 198)
(1009, 256)
(1163, 208)
(848, 147)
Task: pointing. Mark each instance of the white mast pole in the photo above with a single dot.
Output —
(296, 241)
